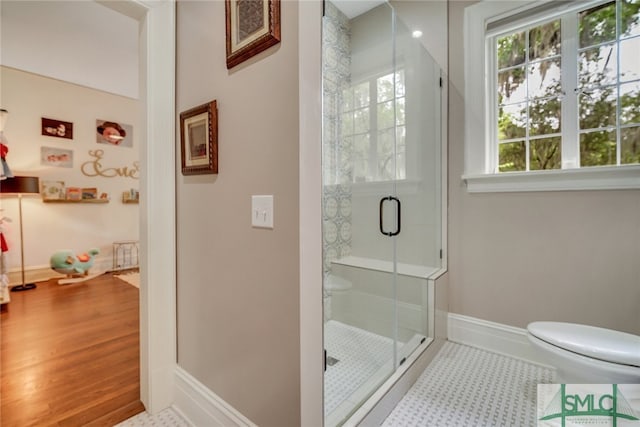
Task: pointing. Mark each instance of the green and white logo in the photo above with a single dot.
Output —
(565, 405)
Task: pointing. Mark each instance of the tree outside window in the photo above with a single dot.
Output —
(605, 120)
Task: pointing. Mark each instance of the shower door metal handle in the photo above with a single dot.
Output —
(398, 223)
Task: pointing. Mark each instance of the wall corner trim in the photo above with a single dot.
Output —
(491, 336)
(202, 407)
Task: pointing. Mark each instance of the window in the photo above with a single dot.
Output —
(373, 124)
(529, 98)
(562, 90)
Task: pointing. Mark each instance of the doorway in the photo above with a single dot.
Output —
(158, 352)
(157, 207)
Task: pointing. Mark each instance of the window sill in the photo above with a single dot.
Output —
(403, 186)
(596, 178)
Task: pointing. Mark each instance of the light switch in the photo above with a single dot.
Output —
(262, 211)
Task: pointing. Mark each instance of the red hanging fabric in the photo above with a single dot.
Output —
(3, 243)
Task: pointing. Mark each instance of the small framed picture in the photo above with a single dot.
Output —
(73, 193)
(114, 133)
(57, 128)
(89, 193)
(131, 196)
(199, 139)
(252, 26)
(50, 156)
(53, 190)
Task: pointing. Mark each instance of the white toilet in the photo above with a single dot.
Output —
(585, 354)
(333, 285)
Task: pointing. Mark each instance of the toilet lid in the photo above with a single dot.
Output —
(604, 344)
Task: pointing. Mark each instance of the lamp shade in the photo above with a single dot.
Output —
(20, 185)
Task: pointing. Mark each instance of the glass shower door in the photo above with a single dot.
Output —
(361, 215)
(418, 183)
(381, 196)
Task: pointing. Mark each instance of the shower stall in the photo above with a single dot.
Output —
(381, 199)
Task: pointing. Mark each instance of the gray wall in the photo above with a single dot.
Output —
(519, 257)
(238, 286)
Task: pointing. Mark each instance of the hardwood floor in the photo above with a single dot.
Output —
(70, 354)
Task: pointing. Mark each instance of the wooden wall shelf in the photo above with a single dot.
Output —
(77, 201)
(130, 202)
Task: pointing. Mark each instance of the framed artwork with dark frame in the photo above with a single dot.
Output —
(57, 128)
(252, 26)
(199, 139)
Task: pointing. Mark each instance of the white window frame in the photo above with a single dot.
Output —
(479, 173)
(374, 130)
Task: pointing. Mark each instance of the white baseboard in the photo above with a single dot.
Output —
(42, 273)
(32, 275)
(495, 337)
(202, 407)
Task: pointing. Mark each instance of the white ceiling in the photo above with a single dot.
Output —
(353, 8)
(81, 42)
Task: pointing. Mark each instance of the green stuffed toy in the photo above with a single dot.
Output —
(66, 262)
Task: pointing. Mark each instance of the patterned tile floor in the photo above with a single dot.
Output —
(361, 355)
(463, 386)
(166, 418)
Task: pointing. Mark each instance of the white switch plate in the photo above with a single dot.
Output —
(262, 211)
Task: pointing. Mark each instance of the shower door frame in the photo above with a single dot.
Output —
(386, 193)
(310, 191)
(391, 196)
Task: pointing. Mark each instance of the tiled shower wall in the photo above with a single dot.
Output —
(336, 151)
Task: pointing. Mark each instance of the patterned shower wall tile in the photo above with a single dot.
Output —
(330, 255)
(330, 128)
(331, 34)
(345, 206)
(330, 233)
(331, 12)
(344, 190)
(331, 96)
(344, 249)
(343, 68)
(331, 206)
(330, 57)
(345, 232)
(337, 167)
(336, 225)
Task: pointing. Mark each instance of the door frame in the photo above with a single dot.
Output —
(158, 335)
(310, 145)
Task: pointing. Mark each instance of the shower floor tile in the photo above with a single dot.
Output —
(466, 386)
(360, 355)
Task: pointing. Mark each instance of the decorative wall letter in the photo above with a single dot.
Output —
(94, 168)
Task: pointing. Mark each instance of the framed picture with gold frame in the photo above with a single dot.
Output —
(252, 27)
(199, 139)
